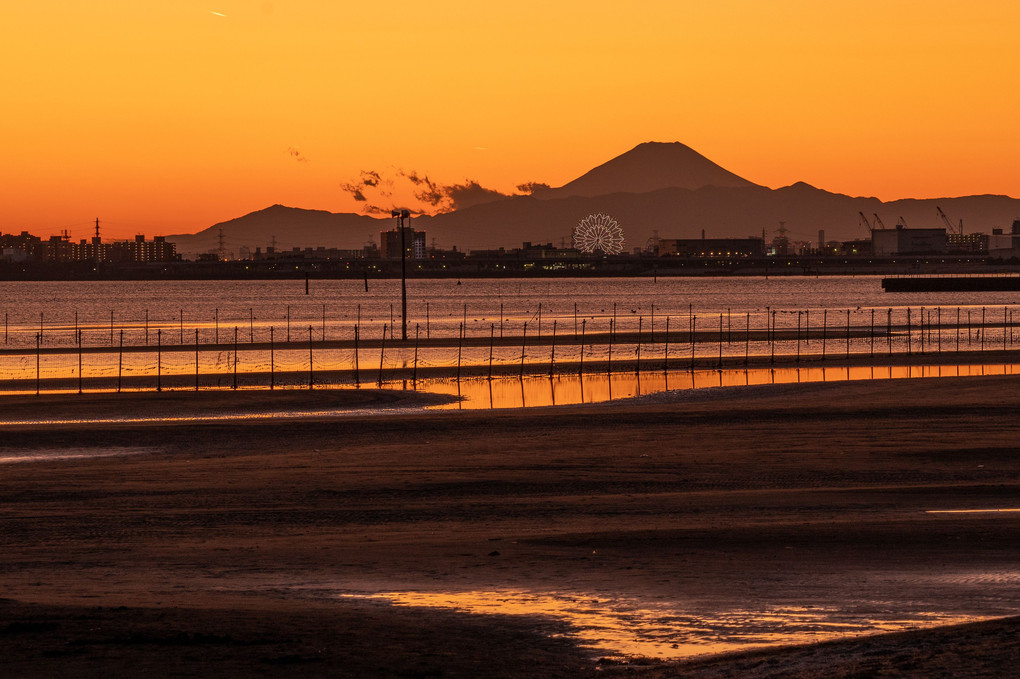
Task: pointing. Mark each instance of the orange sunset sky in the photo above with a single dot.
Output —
(166, 117)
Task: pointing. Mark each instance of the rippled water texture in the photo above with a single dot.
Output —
(629, 627)
(332, 308)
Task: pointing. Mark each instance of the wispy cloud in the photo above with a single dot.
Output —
(374, 189)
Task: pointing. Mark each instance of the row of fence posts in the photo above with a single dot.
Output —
(770, 318)
(180, 324)
(925, 326)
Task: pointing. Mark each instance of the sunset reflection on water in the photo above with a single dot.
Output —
(534, 391)
(632, 628)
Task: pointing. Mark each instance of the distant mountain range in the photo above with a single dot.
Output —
(664, 188)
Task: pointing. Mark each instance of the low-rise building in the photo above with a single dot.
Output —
(904, 241)
(711, 247)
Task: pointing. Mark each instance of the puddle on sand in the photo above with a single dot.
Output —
(632, 628)
(8, 456)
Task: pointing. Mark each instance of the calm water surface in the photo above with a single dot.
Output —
(332, 307)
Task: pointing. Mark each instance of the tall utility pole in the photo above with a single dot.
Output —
(95, 244)
(401, 215)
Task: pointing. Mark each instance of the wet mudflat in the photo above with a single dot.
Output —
(234, 547)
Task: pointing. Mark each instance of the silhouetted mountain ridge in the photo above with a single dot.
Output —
(649, 167)
(655, 187)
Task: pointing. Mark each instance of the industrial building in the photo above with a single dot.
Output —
(414, 242)
(904, 241)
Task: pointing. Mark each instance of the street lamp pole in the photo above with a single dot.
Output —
(401, 215)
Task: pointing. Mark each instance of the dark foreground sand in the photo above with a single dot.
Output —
(220, 548)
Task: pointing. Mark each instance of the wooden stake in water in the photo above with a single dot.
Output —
(612, 332)
(288, 321)
(196, 359)
(79, 360)
(428, 330)
(357, 367)
(492, 336)
(580, 368)
(552, 351)
(382, 353)
(938, 321)
(539, 319)
(524, 341)
(693, 330)
(234, 385)
(665, 351)
(323, 322)
(772, 356)
(146, 327)
(120, 360)
(217, 321)
(825, 329)
(920, 326)
(414, 370)
(888, 330)
(720, 340)
(909, 344)
(272, 358)
(637, 368)
(38, 344)
(159, 359)
(251, 325)
(798, 337)
(872, 350)
(311, 361)
(460, 348)
(747, 337)
(957, 329)
(111, 327)
(182, 327)
(848, 333)
(982, 331)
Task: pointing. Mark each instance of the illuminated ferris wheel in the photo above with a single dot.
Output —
(599, 233)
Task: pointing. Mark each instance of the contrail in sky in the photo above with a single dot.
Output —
(217, 13)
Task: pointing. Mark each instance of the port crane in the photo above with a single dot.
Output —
(865, 222)
(878, 221)
(949, 225)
